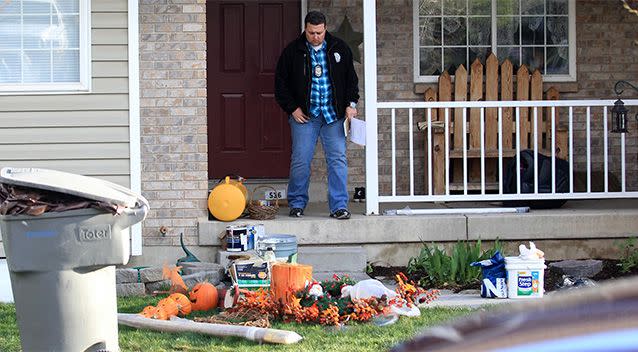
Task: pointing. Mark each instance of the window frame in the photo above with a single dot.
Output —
(570, 77)
(83, 85)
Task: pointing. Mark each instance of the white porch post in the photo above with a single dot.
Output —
(370, 76)
(134, 116)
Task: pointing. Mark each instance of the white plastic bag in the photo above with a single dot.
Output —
(366, 289)
(374, 288)
(405, 310)
(532, 253)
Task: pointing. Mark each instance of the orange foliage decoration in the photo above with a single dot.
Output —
(329, 316)
(260, 301)
(410, 294)
(365, 309)
(298, 306)
(177, 283)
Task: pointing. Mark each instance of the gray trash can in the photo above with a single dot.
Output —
(62, 264)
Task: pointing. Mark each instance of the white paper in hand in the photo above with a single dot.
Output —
(357, 131)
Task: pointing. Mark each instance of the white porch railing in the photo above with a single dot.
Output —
(373, 107)
(595, 113)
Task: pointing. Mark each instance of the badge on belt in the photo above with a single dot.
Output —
(318, 70)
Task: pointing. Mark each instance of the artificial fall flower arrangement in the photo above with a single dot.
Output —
(324, 302)
(331, 302)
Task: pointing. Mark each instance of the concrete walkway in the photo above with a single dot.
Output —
(460, 300)
(464, 299)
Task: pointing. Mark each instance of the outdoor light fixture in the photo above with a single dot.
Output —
(619, 111)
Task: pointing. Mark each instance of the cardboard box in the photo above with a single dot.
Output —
(253, 273)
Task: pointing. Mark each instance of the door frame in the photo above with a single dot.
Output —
(304, 11)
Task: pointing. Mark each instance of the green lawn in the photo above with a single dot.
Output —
(362, 337)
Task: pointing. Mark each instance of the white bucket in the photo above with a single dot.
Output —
(525, 277)
(6, 296)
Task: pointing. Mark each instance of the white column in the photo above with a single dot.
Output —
(370, 78)
(134, 117)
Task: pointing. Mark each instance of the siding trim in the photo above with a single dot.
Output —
(134, 116)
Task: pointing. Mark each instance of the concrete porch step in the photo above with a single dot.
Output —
(392, 240)
(333, 259)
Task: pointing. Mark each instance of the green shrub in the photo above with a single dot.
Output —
(440, 269)
(629, 256)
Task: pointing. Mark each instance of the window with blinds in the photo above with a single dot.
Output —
(44, 46)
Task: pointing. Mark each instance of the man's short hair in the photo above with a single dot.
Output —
(314, 18)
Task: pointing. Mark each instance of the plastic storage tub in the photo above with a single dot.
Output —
(525, 277)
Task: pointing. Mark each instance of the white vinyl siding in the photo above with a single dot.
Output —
(85, 133)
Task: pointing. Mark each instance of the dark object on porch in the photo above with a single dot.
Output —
(544, 180)
(359, 194)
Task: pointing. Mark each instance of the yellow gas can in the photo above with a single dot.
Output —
(227, 200)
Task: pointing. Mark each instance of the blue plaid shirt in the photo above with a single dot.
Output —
(321, 89)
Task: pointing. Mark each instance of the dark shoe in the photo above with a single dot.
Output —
(341, 214)
(359, 194)
(296, 212)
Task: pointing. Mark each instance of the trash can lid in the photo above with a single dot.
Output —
(74, 184)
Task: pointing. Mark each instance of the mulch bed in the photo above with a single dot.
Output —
(610, 271)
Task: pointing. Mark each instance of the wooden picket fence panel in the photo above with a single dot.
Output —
(528, 87)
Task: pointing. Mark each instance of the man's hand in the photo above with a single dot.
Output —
(299, 116)
(350, 112)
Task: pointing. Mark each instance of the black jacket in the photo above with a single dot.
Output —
(292, 78)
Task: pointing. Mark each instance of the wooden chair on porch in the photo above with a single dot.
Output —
(493, 87)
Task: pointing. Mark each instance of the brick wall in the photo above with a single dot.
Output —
(173, 117)
(606, 53)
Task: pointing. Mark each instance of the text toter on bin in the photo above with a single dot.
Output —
(62, 259)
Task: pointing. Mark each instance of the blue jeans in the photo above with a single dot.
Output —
(333, 140)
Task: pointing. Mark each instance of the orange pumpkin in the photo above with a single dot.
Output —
(183, 303)
(147, 312)
(203, 296)
(154, 313)
(169, 306)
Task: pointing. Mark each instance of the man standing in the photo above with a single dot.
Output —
(317, 86)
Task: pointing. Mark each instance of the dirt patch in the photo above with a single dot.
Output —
(611, 270)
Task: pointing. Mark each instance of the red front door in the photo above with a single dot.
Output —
(248, 134)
